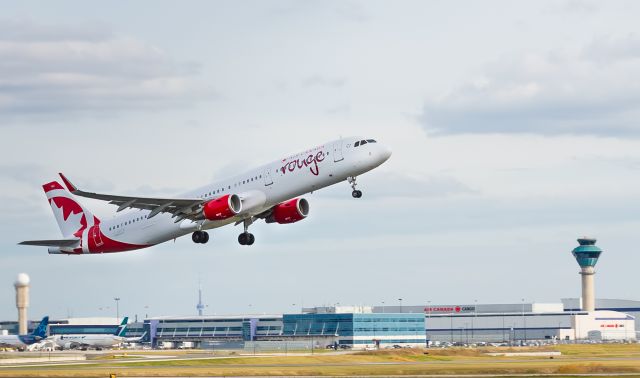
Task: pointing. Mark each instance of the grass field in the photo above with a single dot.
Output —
(576, 359)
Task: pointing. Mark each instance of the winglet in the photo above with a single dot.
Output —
(72, 188)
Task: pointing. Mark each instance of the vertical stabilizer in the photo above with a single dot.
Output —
(41, 329)
(72, 217)
(122, 329)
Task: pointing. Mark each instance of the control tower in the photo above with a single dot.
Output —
(587, 254)
(22, 301)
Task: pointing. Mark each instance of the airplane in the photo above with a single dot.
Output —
(97, 341)
(23, 341)
(270, 192)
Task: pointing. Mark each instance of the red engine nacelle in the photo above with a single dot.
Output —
(289, 212)
(222, 208)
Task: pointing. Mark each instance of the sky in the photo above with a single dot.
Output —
(514, 129)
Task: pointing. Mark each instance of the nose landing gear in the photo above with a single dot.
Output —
(200, 237)
(355, 193)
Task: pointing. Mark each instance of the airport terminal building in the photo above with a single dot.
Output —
(574, 319)
(612, 319)
(371, 327)
(318, 330)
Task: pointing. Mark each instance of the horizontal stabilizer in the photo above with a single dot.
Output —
(52, 243)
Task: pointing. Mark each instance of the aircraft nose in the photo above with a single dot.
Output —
(385, 153)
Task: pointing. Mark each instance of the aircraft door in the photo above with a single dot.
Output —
(337, 151)
(97, 237)
(267, 177)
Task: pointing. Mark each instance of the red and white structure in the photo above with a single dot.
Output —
(270, 192)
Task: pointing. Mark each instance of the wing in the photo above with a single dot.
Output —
(52, 243)
(179, 208)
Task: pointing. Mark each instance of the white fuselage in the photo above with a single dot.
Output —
(89, 341)
(259, 189)
(13, 341)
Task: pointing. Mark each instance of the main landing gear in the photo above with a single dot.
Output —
(356, 193)
(246, 238)
(200, 237)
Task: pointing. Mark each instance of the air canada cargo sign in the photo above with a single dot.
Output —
(449, 309)
(615, 325)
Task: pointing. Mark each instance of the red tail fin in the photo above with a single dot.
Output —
(71, 216)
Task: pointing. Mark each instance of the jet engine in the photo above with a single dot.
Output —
(289, 212)
(222, 208)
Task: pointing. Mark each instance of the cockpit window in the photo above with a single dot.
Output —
(363, 142)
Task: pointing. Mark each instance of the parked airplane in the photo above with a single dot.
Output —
(97, 341)
(269, 192)
(23, 341)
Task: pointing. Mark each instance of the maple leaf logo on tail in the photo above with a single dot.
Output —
(72, 217)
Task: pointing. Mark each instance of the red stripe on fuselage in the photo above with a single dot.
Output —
(99, 243)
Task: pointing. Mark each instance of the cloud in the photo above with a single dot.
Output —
(58, 71)
(395, 184)
(322, 81)
(401, 185)
(26, 174)
(350, 11)
(578, 7)
(586, 91)
(28, 31)
(342, 109)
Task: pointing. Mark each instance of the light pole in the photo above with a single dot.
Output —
(428, 320)
(524, 323)
(117, 299)
(503, 329)
(451, 327)
(475, 315)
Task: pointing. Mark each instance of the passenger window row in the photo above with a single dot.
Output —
(211, 193)
(363, 142)
(218, 191)
(137, 219)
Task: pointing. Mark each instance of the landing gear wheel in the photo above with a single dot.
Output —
(356, 194)
(200, 237)
(246, 238)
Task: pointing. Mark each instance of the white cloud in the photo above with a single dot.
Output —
(60, 71)
(582, 91)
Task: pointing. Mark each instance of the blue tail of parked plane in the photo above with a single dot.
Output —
(122, 328)
(41, 329)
